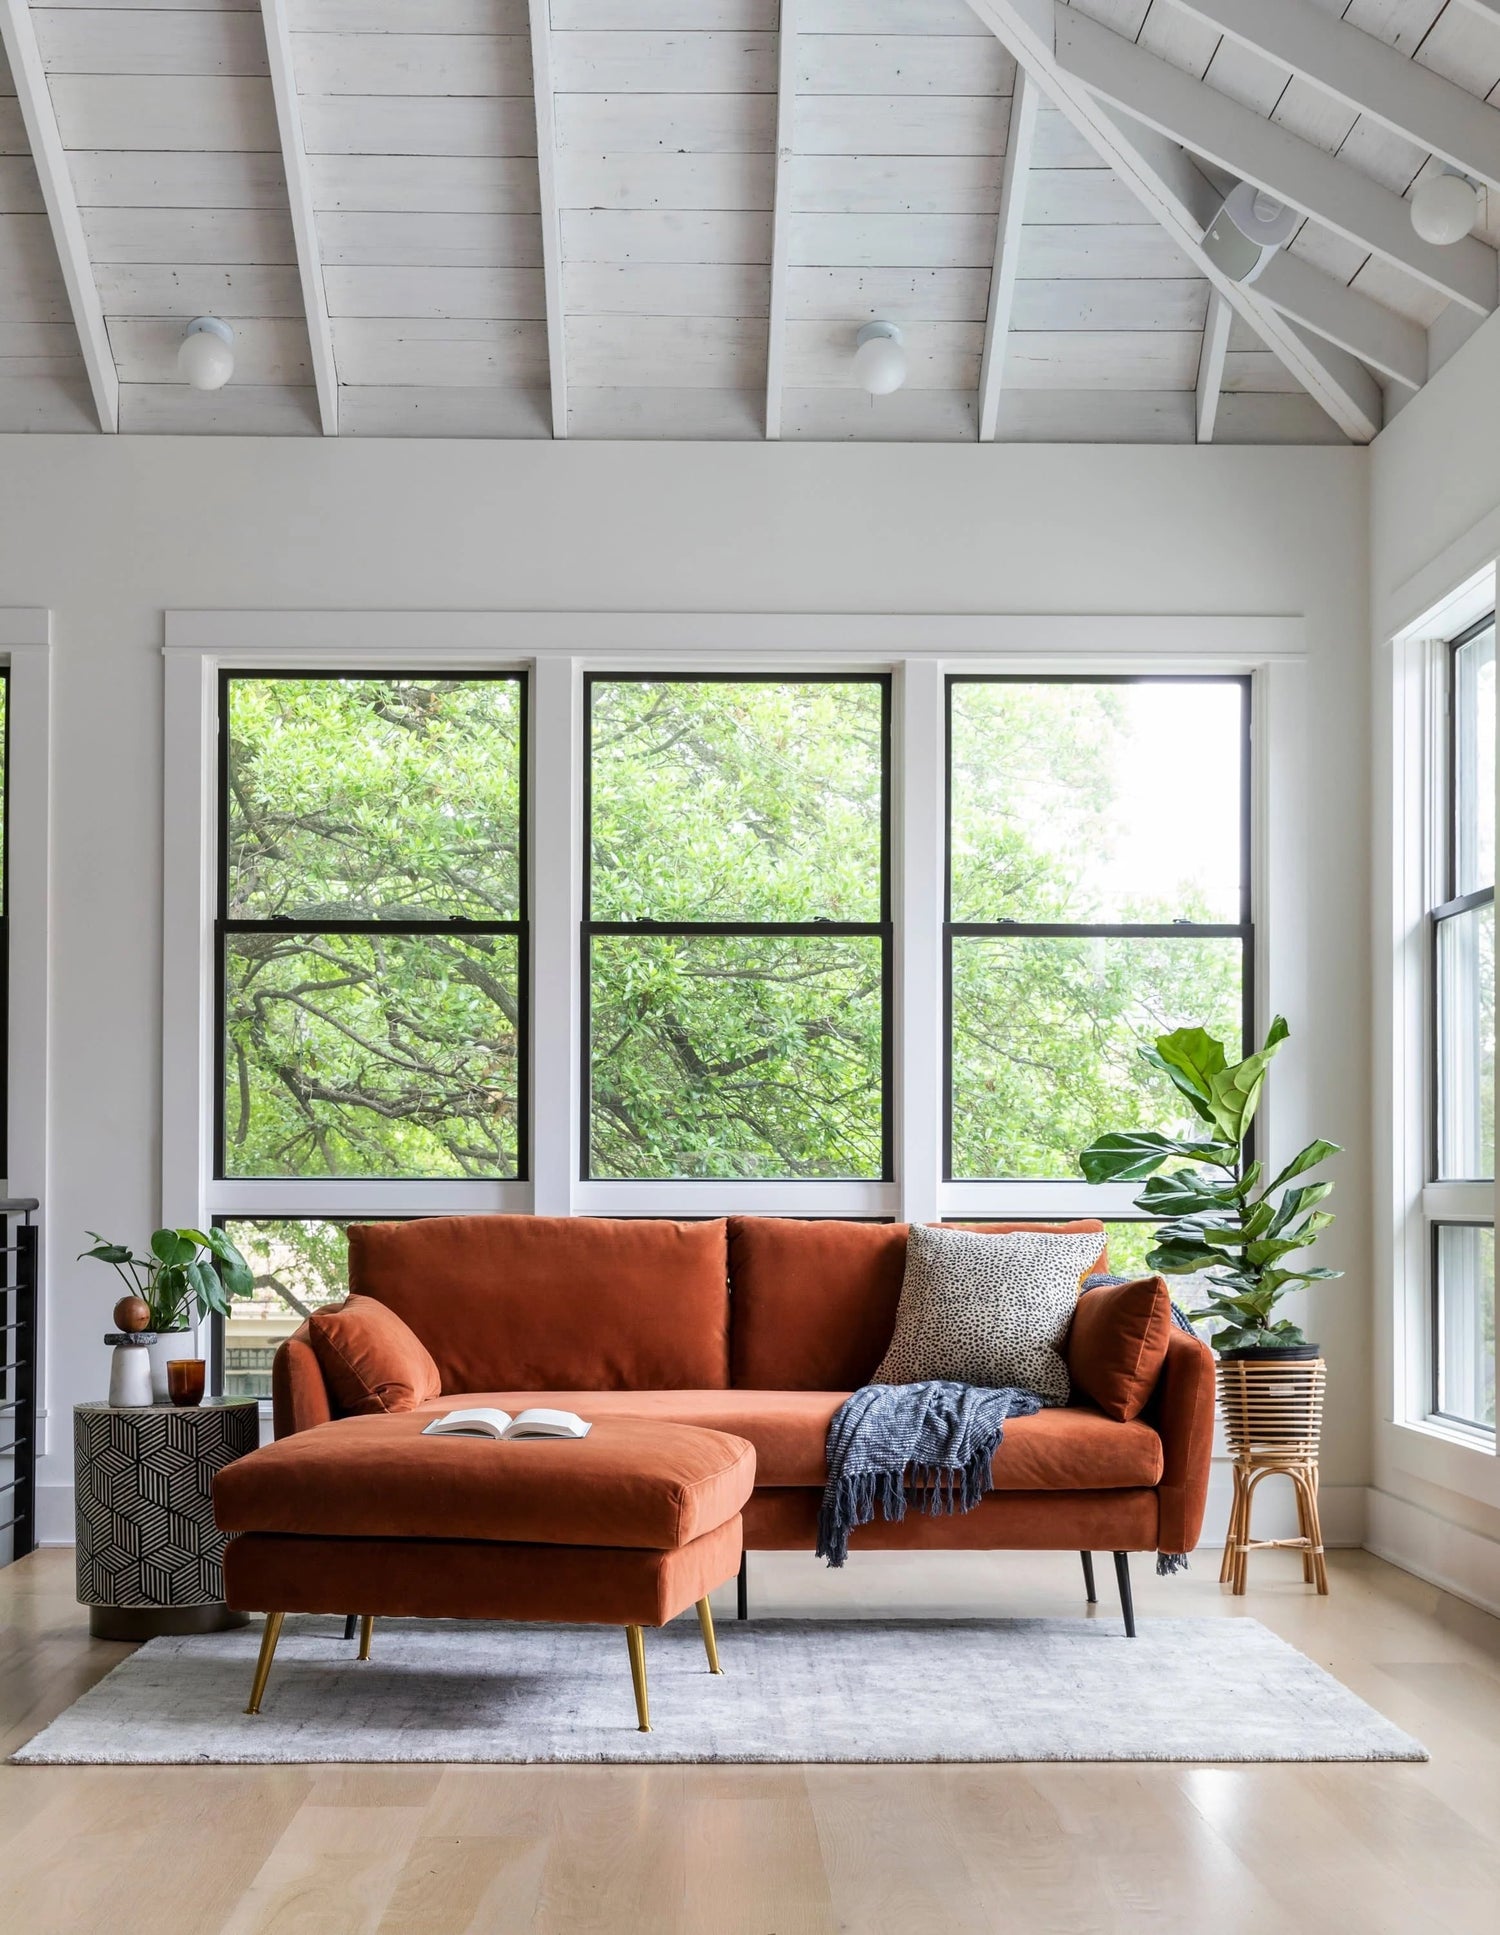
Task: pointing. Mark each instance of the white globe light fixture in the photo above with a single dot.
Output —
(1444, 208)
(879, 359)
(205, 357)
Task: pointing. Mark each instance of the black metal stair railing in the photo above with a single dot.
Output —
(18, 1337)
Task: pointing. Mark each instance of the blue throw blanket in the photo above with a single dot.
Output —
(928, 1445)
(894, 1445)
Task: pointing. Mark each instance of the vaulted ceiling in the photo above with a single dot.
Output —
(668, 218)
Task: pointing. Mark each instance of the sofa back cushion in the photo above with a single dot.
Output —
(813, 1305)
(562, 1303)
(1118, 1344)
(371, 1361)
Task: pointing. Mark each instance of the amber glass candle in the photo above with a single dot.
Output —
(185, 1379)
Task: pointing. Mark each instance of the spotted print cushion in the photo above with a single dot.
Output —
(989, 1310)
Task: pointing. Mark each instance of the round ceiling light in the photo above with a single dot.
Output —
(879, 359)
(205, 356)
(1444, 208)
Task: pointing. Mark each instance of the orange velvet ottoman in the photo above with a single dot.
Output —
(626, 1527)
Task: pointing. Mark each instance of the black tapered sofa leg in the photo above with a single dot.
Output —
(1127, 1605)
(1088, 1578)
(742, 1588)
(351, 1620)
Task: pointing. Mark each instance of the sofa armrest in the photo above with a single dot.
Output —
(299, 1397)
(1183, 1412)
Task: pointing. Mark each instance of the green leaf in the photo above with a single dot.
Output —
(172, 1247)
(1127, 1156)
(1183, 1192)
(1316, 1151)
(1295, 1201)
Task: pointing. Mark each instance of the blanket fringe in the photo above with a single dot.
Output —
(1169, 1562)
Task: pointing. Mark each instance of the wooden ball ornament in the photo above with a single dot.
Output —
(132, 1314)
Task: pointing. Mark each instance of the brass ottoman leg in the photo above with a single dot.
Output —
(268, 1641)
(710, 1644)
(366, 1632)
(637, 1644)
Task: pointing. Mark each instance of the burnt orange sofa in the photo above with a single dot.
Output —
(758, 1327)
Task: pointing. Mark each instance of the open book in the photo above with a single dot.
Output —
(485, 1421)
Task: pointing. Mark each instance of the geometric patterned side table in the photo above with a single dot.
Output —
(150, 1558)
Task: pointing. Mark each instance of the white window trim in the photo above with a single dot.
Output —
(26, 646)
(556, 649)
(1434, 1449)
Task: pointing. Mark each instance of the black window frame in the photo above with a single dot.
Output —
(1242, 930)
(882, 929)
(1453, 902)
(519, 928)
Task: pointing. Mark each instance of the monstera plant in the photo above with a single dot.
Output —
(1216, 1215)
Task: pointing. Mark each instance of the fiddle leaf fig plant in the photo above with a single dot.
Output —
(185, 1268)
(1216, 1214)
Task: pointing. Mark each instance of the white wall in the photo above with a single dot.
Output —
(109, 532)
(1434, 522)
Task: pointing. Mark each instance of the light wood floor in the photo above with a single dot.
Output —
(793, 1851)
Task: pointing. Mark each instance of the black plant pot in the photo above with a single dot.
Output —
(1272, 1354)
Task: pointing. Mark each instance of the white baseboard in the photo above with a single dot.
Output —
(1462, 1562)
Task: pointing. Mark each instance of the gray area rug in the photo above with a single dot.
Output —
(792, 1690)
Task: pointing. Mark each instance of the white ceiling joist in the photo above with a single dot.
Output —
(304, 215)
(19, 36)
(781, 219)
(1308, 177)
(1211, 366)
(1367, 75)
(1162, 177)
(1018, 143)
(546, 169)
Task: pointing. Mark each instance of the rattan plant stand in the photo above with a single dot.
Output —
(1273, 1420)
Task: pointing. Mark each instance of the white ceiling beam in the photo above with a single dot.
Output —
(546, 169)
(781, 219)
(18, 33)
(1168, 185)
(1018, 143)
(1294, 170)
(304, 215)
(1390, 343)
(1366, 75)
(1211, 366)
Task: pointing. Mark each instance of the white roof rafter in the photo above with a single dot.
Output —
(1211, 366)
(304, 215)
(1296, 171)
(1163, 178)
(546, 169)
(1018, 145)
(781, 217)
(18, 32)
(1367, 75)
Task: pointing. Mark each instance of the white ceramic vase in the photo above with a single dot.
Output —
(169, 1344)
(130, 1374)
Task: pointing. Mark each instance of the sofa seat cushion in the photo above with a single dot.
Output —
(637, 1482)
(1066, 1449)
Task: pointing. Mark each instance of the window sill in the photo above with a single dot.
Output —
(1460, 1459)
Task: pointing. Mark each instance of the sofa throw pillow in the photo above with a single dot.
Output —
(371, 1361)
(1118, 1344)
(988, 1310)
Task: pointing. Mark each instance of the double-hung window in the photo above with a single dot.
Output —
(1459, 1198)
(370, 957)
(1098, 895)
(736, 937)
